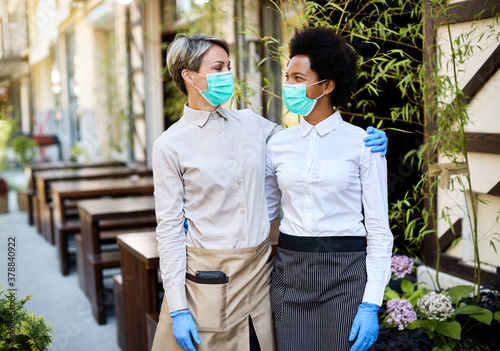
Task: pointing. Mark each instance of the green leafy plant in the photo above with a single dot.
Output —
(436, 313)
(444, 150)
(20, 330)
(25, 149)
(76, 152)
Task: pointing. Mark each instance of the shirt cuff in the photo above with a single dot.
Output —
(373, 294)
(176, 299)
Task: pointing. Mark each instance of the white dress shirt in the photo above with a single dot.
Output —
(326, 179)
(208, 167)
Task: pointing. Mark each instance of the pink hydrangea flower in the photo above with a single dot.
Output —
(401, 313)
(401, 265)
(436, 306)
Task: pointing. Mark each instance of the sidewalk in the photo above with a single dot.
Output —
(57, 298)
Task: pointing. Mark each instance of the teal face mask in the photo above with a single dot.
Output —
(220, 87)
(296, 100)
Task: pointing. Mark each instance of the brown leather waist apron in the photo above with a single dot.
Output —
(221, 308)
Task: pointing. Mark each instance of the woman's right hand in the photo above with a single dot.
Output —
(183, 327)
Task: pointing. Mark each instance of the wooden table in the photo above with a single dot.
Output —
(92, 213)
(46, 178)
(40, 167)
(139, 265)
(65, 193)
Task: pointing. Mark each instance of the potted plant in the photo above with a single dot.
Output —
(25, 150)
(20, 330)
(77, 153)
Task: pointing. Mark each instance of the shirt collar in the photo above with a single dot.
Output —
(199, 117)
(323, 127)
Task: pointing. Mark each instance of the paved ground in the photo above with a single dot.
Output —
(59, 299)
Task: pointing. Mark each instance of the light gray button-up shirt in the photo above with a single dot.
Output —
(209, 167)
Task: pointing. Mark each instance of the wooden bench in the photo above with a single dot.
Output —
(119, 309)
(45, 179)
(63, 233)
(66, 194)
(92, 215)
(109, 231)
(32, 206)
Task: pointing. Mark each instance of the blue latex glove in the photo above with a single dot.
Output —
(378, 139)
(365, 326)
(183, 327)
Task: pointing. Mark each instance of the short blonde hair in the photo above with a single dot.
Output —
(186, 52)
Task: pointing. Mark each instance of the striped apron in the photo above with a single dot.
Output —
(317, 286)
(221, 311)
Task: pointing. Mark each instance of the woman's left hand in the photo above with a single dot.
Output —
(365, 326)
(378, 139)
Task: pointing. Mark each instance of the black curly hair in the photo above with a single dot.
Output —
(331, 57)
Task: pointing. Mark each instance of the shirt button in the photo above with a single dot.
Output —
(220, 131)
(242, 211)
(240, 182)
(244, 238)
(231, 157)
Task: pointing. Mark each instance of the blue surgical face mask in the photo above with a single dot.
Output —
(296, 100)
(220, 87)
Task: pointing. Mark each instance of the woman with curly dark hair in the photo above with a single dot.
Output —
(334, 251)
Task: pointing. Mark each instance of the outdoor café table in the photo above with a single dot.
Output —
(44, 179)
(92, 260)
(139, 266)
(65, 193)
(32, 170)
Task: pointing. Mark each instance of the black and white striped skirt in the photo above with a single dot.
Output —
(317, 286)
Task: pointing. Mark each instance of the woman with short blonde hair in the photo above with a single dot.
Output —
(208, 168)
(186, 52)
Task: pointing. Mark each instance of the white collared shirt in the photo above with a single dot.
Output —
(326, 178)
(208, 167)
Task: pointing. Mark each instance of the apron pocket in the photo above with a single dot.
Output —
(207, 303)
(277, 294)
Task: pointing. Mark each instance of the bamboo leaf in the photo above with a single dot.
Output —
(262, 61)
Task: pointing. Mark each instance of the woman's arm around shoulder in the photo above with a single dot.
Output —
(267, 127)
